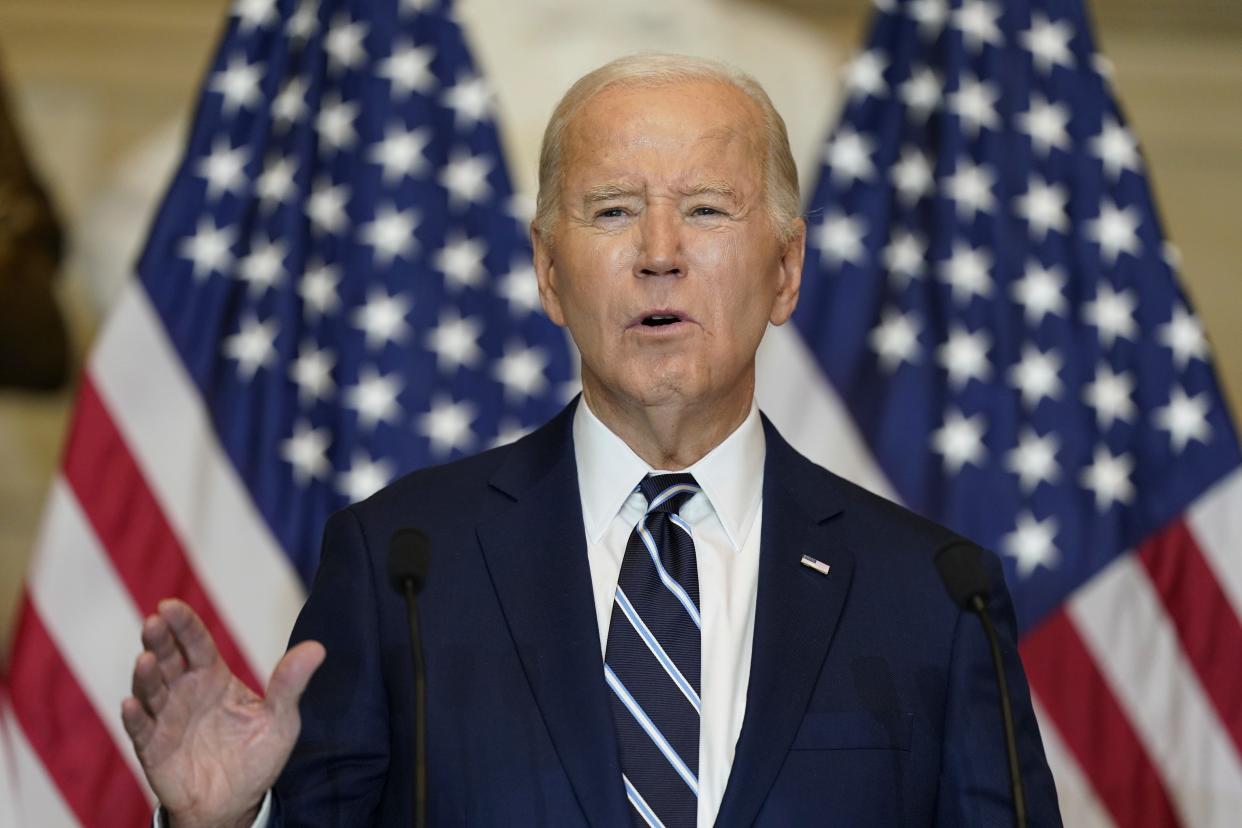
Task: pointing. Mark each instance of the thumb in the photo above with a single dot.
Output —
(291, 676)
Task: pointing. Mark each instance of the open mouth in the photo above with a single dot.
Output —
(660, 320)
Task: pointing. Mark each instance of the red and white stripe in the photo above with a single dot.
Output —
(146, 505)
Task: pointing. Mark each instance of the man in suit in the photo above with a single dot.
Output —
(650, 611)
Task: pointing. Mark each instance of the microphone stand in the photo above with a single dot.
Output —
(420, 705)
(1011, 752)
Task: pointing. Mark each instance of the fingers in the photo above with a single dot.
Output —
(189, 633)
(158, 639)
(148, 685)
(291, 676)
(138, 724)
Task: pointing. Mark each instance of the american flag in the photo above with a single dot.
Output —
(989, 290)
(336, 289)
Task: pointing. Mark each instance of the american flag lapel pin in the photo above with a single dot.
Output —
(819, 566)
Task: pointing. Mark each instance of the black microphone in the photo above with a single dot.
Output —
(960, 564)
(409, 555)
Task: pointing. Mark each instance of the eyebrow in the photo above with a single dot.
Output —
(720, 188)
(607, 192)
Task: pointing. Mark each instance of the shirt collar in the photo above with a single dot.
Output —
(731, 474)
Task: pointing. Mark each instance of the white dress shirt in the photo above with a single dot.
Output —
(726, 519)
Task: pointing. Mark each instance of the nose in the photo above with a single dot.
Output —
(659, 244)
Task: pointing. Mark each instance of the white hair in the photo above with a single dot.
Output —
(652, 70)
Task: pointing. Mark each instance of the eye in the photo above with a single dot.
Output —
(704, 210)
(610, 212)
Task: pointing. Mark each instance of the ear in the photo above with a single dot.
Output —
(545, 272)
(790, 274)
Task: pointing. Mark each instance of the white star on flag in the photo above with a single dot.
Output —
(290, 103)
(912, 176)
(254, 14)
(390, 234)
(1047, 124)
(374, 397)
(455, 341)
(1110, 395)
(209, 249)
(224, 169)
(365, 477)
(263, 267)
(1034, 459)
(1040, 291)
(307, 451)
(960, 441)
(1037, 375)
(1116, 148)
(325, 207)
(275, 184)
(921, 92)
(382, 317)
(1108, 477)
(335, 124)
(840, 239)
(896, 339)
(903, 257)
(1112, 313)
(976, 19)
(849, 157)
(303, 22)
(1030, 544)
(1043, 206)
(317, 290)
(253, 346)
(447, 425)
(1183, 334)
(970, 187)
(967, 272)
(964, 355)
(470, 99)
(400, 153)
(465, 178)
(311, 372)
(1185, 418)
(974, 103)
(521, 371)
(1115, 230)
(238, 84)
(865, 74)
(520, 288)
(408, 69)
(344, 43)
(461, 262)
(1048, 42)
(930, 15)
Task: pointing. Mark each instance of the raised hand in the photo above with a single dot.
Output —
(210, 747)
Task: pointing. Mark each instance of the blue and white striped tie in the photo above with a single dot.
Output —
(653, 656)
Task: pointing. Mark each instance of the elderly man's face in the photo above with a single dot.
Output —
(665, 264)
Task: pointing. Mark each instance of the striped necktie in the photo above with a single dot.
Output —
(652, 660)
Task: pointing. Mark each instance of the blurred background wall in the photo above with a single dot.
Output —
(101, 90)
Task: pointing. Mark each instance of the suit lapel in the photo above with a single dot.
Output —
(795, 617)
(535, 547)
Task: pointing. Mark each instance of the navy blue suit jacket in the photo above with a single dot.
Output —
(871, 700)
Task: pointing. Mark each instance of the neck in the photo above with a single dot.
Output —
(670, 436)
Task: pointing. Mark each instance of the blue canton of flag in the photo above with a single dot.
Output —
(341, 263)
(989, 289)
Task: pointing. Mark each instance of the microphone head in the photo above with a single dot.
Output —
(960, 564)
(409, 555)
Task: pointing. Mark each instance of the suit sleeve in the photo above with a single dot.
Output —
(336, 774)
(974, 777)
